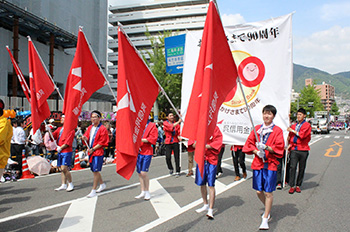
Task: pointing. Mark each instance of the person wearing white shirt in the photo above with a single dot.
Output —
(19, 139)
(36, 140)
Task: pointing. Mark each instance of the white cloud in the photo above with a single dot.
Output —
(232, 19)
(327, 50)
(335, 11)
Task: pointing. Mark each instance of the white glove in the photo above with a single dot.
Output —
(260, 146)
(59, 149)
(47, 127)
(261, 154)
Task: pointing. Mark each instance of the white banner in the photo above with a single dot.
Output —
(263, 55)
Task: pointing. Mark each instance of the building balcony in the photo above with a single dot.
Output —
(162, 26)
(112, 69)
(140, 41)
(181, 11)
(113, 56)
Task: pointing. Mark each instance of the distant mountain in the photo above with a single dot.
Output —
(340, 81)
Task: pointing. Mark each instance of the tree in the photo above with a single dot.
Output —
(310, 100)
(171, 83)
(334, 109)
(293, 110)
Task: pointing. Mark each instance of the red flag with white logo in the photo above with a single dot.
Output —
(41, 87)
(84, 78)
(136, 94)
(20, 76)
(215, 77)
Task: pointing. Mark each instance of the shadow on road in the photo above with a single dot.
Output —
(36, 224)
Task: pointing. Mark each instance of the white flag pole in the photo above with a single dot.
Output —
(246, 103)
(285, 168)
(250, 116)
(98, 64)
(42, 63)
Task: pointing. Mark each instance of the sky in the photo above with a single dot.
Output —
(321, 29)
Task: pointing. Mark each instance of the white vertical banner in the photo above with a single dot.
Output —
(263, 54)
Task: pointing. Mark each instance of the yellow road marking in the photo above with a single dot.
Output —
(330, 149)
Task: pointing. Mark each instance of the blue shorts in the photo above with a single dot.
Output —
(143, 163)
(264, 180)
(64, 159)
(209, 175)
(96, 164)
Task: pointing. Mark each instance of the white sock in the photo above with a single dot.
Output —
(210, 211)
(204, 208)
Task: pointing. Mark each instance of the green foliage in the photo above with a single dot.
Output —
(171, 83)
(334, 109)
(307, 95)
(340, 81)
(293, 110)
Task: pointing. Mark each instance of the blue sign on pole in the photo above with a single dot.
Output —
(174, 53)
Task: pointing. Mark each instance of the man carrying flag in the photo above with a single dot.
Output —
(97, 137)
(209, 173)
(137, 91)
(215, 77)
(64, 149)
(144, 158)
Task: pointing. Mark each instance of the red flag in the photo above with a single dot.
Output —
(41, 87)
(215, 77)
(20, 76)
(84, 78)
(136, 93)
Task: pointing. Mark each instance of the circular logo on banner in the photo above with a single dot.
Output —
(251, 71)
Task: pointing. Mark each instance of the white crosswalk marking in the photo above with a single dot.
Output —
(161, 200)
(336, 137)
(346, 137)
(327, 136)
(75, 220)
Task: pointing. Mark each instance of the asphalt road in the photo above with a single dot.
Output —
(323, 205)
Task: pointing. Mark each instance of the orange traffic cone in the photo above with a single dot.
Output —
(77, 162)
(25, 170)
(115, 156)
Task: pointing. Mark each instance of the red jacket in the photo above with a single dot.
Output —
(302, 139)
(211, 155)
(190, 148)
(101, 138)
(275, 141)
(151, 134)
(68, 140)
(171, 132)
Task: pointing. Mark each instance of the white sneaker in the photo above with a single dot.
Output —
(70, 187)
(264, 224)
(210, 214)
(204, 208)
(92, 194)
(147, 196)
(142, 194)
(101, 188)
(62, 187)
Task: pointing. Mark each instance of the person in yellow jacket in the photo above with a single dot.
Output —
(5, 138)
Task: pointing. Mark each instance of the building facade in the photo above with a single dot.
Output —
(152, 16)
(53, 27)
(326, 92)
